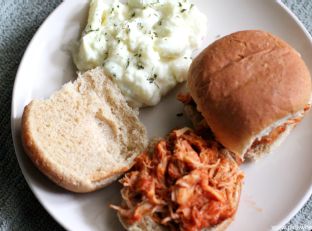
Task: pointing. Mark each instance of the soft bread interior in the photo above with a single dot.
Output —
(85, 135)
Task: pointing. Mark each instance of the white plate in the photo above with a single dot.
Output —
(275, 187)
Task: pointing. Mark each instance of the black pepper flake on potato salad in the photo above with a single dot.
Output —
(137, 40)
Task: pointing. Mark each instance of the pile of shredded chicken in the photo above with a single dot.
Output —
(185, 183)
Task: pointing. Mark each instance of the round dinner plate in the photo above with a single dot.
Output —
(275, 187)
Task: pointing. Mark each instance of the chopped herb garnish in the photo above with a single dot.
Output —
(112, 10)
(180, 4)
(183, 10)
(152, 78)
(192, 5)
(185, 57)
(140, 25)
(159, 23)
(140, 66)
(138, 55)
(91, 30)
(133, 15)
(128, 63)
(156, 85)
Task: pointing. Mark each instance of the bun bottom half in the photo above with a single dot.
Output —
(147, 224)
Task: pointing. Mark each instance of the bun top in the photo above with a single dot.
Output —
(246, 81)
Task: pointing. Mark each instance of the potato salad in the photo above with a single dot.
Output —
(144, 45)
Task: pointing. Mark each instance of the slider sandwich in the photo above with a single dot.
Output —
(250, 89)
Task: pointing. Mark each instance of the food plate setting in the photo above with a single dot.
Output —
(148, 70)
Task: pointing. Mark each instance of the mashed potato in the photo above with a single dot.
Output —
(144, 45)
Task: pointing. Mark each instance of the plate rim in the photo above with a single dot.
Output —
(292, 213)
(13, 113)
(308, 194)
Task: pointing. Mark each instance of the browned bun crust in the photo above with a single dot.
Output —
(244, 82)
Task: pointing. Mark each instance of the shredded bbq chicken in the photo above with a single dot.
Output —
(185, 184)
